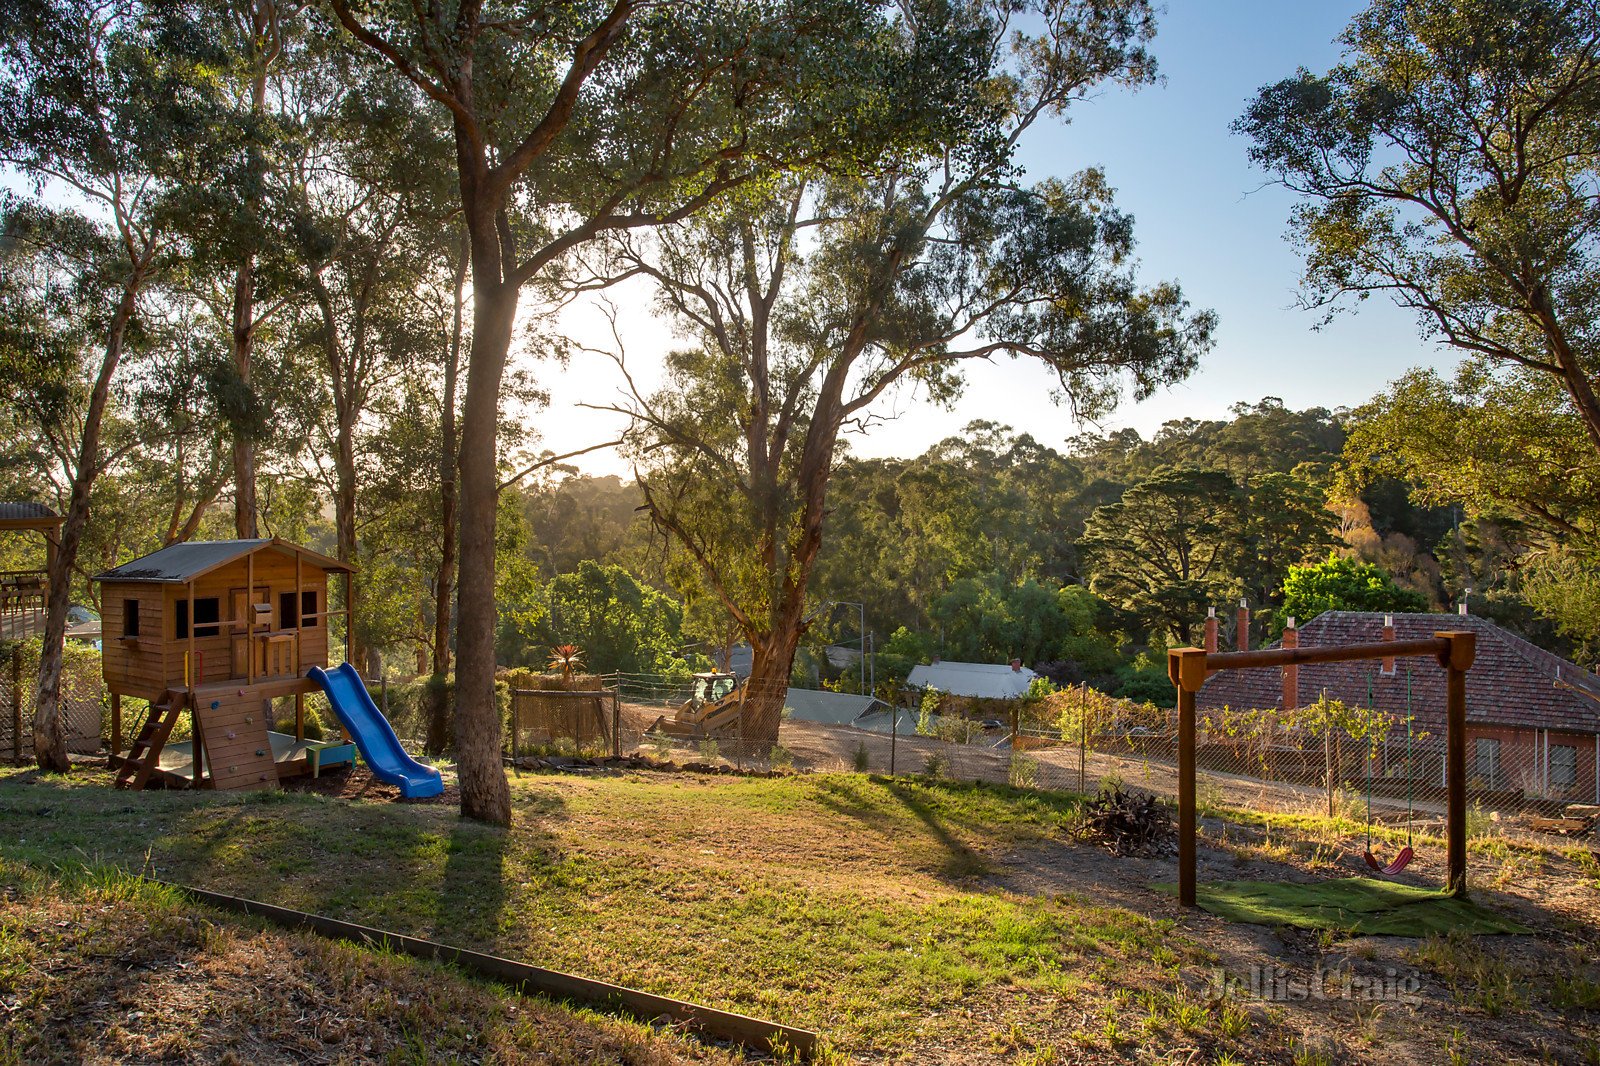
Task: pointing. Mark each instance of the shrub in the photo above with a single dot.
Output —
(862, 759)
(935, 765)
(313, 722)
(660, 744)
(782, 758)
(710, 750)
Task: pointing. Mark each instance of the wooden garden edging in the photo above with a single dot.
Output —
(725, 1025)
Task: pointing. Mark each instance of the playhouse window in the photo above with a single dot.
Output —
(130, 618)
(308, 609)
(1563, 766)
(288, 611)
(207, 617)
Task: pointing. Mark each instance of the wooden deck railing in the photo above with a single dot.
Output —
(21, 591)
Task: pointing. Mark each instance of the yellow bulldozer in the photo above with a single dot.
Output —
(712, 710)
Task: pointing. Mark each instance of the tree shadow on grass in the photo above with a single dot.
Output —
(950, 857)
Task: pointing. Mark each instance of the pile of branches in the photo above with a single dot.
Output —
(1124, 823)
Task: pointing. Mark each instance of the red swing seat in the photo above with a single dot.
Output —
(1400, 862)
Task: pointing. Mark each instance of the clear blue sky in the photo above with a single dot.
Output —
(1203, 216)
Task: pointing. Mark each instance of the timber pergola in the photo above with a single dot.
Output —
(1189, 667)
(22, 592)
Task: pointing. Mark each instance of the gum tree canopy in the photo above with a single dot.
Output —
(804, 308)
(578, 119)
(1450, 162)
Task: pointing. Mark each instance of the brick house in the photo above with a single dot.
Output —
(1533, 718)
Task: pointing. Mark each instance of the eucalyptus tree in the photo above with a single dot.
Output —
(102, 121)
(1506, 446)
(371, 232)
(803, 311)
(574, 120)
(1450, 163)
(240, 248)
(183, 459)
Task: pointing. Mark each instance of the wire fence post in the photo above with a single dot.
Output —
(616, 722)
(1327, 765)
(894, 737)
(16, 703)
(1084, 748)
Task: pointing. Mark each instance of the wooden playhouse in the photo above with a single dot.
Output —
(217, 629)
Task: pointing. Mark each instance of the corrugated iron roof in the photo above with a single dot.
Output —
(835, 708)
(997, 681)
(1512, 683)
(24, 511)
(177, 563)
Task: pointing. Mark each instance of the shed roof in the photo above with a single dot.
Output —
(982, 680)
(835, 708)
(27, 514)
(1512, 683)
(178, 563)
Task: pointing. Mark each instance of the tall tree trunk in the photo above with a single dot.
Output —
(772, 660)
(49, 728)
(244, 447)
(344, 519)
(263, 17)
(485, 794)
(445, 586)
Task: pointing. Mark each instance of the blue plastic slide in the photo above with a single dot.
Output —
(380, 748)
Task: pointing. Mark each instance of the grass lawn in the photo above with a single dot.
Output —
(906, 919)
(853, 905)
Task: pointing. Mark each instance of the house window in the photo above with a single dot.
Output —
(207, 617)
(288, 611)
(1487, 751)
(130, 618)
(1563, 766)
(308, 609)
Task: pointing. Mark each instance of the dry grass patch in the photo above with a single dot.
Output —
(101, 967)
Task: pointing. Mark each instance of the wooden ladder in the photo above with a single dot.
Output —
(146, 750)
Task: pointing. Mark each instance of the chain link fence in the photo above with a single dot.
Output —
(1326, 758)
(83, 701)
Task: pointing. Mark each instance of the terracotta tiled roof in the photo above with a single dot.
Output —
(1511, 684)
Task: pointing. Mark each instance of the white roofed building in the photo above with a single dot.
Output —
(992, 681)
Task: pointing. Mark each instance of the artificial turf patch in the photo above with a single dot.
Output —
(1350, 905)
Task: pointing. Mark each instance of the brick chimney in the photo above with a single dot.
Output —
(1291, 673)
(1211, 629)
(1387, 669)
(1242, 636)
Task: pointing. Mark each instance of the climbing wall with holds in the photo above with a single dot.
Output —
(238, 750)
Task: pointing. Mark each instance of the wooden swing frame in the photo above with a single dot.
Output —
(1455, 652)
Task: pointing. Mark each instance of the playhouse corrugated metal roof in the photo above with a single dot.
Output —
(1512, 683)
(178, 563)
